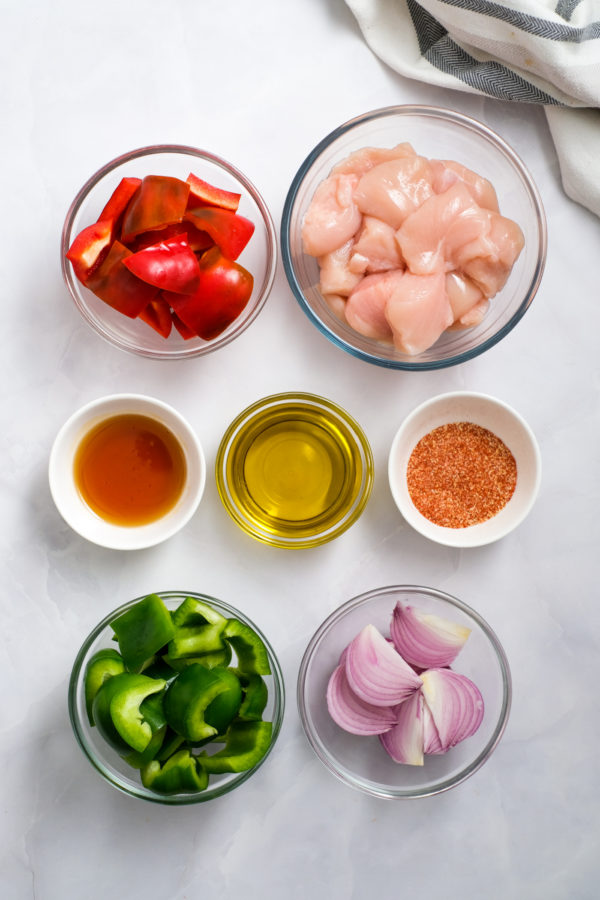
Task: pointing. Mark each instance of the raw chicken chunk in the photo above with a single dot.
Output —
(488, 259)
(337, 305)
(367, 158)
(332, 217)
(365, 307)
(463, 294)
(394, 189)
(335, 276)
(408, 247)
(473, 317)
(376, 248)
(447, 172)
(418, 311)
(431, 237)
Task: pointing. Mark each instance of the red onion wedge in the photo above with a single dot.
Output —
(404, 742)
(431, 738)
(455, 703)
(425, 640)
(376, 672)
(353, 714)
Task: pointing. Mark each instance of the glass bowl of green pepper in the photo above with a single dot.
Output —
(176, 698)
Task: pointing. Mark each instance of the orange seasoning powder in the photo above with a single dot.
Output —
(460, 474)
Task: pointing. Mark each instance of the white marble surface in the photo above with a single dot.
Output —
(261, 83)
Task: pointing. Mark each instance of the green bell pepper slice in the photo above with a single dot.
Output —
(152, 711)
(117, 711)
(255, 696)
(172, 742)
(224, 708)
(127, 715)
(102, 665)
(182, 773)
(101, 711)
(195, 640)
(208, 660)
(195, 612)
(143, 630)
(251, 652)
(245, 746)
(191, 694)
(160, 668)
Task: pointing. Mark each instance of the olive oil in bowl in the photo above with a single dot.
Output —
(294, 470)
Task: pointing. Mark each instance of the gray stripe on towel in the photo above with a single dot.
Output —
(566, 8)
(491, 78)
(552, 31)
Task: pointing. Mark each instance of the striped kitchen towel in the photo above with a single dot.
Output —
(528, 51)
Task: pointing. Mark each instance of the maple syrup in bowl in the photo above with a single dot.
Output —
(127, 471)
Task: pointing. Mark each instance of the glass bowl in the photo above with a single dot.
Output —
(259, 256)
(434, 133)
(361, 762)
(501, 420)
(108, 763)
(294, 470)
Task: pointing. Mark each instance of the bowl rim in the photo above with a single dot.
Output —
(435, 112)
(79, 728)
(185, 351)
(368, 787)
(228, 443)
(85, 414)
(464, 538)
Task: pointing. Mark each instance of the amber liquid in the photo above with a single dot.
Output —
(130, 469)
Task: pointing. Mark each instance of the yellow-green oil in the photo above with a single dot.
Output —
(293, 471)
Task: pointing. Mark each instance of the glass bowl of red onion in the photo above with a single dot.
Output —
(404, 692)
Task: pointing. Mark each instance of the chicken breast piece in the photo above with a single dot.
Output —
(418, 311)
(337, 305)
(335, 276)
(482, 190)
(332, 217)
(365, 307)
(394, 189)
(473, 317)
(376, 248)
(463, 294)
(431, 237)
(489, 259)
(367, 158)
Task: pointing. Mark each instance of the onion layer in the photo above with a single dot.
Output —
(404, 742)
(376, 672)
(455, 704)
(425, 640)
(353, 714)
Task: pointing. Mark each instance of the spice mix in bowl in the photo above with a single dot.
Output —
(464, 469)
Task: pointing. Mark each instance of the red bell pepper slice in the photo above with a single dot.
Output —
(224, 290)
(198, 240)
(185, 332)
(115, 284)
(89, 249)
(158, 315)
(160, 201)
(230, 231)
(204, 194)
(169, 265)
(119, 200)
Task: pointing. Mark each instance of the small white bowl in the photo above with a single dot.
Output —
(497, 417)
(78, 514)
